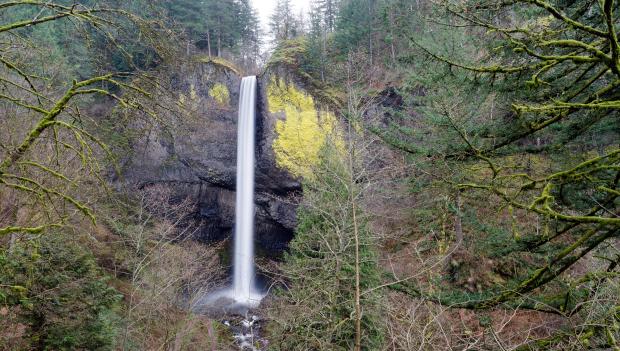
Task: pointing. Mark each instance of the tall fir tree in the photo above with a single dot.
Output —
(329, 12)
(283, 23)
(356, 26)
(217, 25)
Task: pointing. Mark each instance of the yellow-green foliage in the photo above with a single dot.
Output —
(303, 133)
(220, 93)
(192, 92)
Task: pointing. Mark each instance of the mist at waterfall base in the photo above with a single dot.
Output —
(244, 292)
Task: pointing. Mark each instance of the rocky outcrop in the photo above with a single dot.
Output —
(196, 156)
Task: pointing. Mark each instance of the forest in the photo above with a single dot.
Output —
(427, 174)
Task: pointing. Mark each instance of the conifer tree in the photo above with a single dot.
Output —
(217, 25)
(329, 12)
(283, 23)
(356, 26)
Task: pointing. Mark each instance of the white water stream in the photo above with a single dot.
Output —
(243, 294)
(244, 290)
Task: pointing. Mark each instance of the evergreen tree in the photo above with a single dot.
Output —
(217, 25)
(190, 15)
(317, 39)
(251, 33)
(527, 82)
(356, 26)
(283, 23)
(329, 11)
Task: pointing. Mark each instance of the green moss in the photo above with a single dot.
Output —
(219, 92)
(304, 131)
(192, 92)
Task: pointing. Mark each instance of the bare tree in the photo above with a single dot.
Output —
(169, 271)
(50, 144)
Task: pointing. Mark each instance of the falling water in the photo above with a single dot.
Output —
(243, 276)
(243, 294)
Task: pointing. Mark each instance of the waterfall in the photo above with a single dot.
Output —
(243, 289)
(244, 293)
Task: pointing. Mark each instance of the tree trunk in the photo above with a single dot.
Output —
(370, 13)
(458, 225)
(219, 44)
(358, 306)
(458, 230)
(324, 55)
(209, 42)
(356, 234)
(393, 49)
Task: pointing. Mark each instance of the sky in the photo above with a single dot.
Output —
(265, 9)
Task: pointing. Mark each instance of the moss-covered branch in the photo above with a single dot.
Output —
(29, 230)
(566, 19)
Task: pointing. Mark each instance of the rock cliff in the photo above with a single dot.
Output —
(197, 156)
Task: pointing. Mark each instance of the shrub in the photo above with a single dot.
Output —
(61, 293)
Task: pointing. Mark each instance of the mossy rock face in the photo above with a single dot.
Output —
(302, 110)
(287, 62)
(196, 154)
(303, 131)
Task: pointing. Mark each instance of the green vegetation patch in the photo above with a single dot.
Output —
(303, 133)
(61, 294)
(219, 92)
